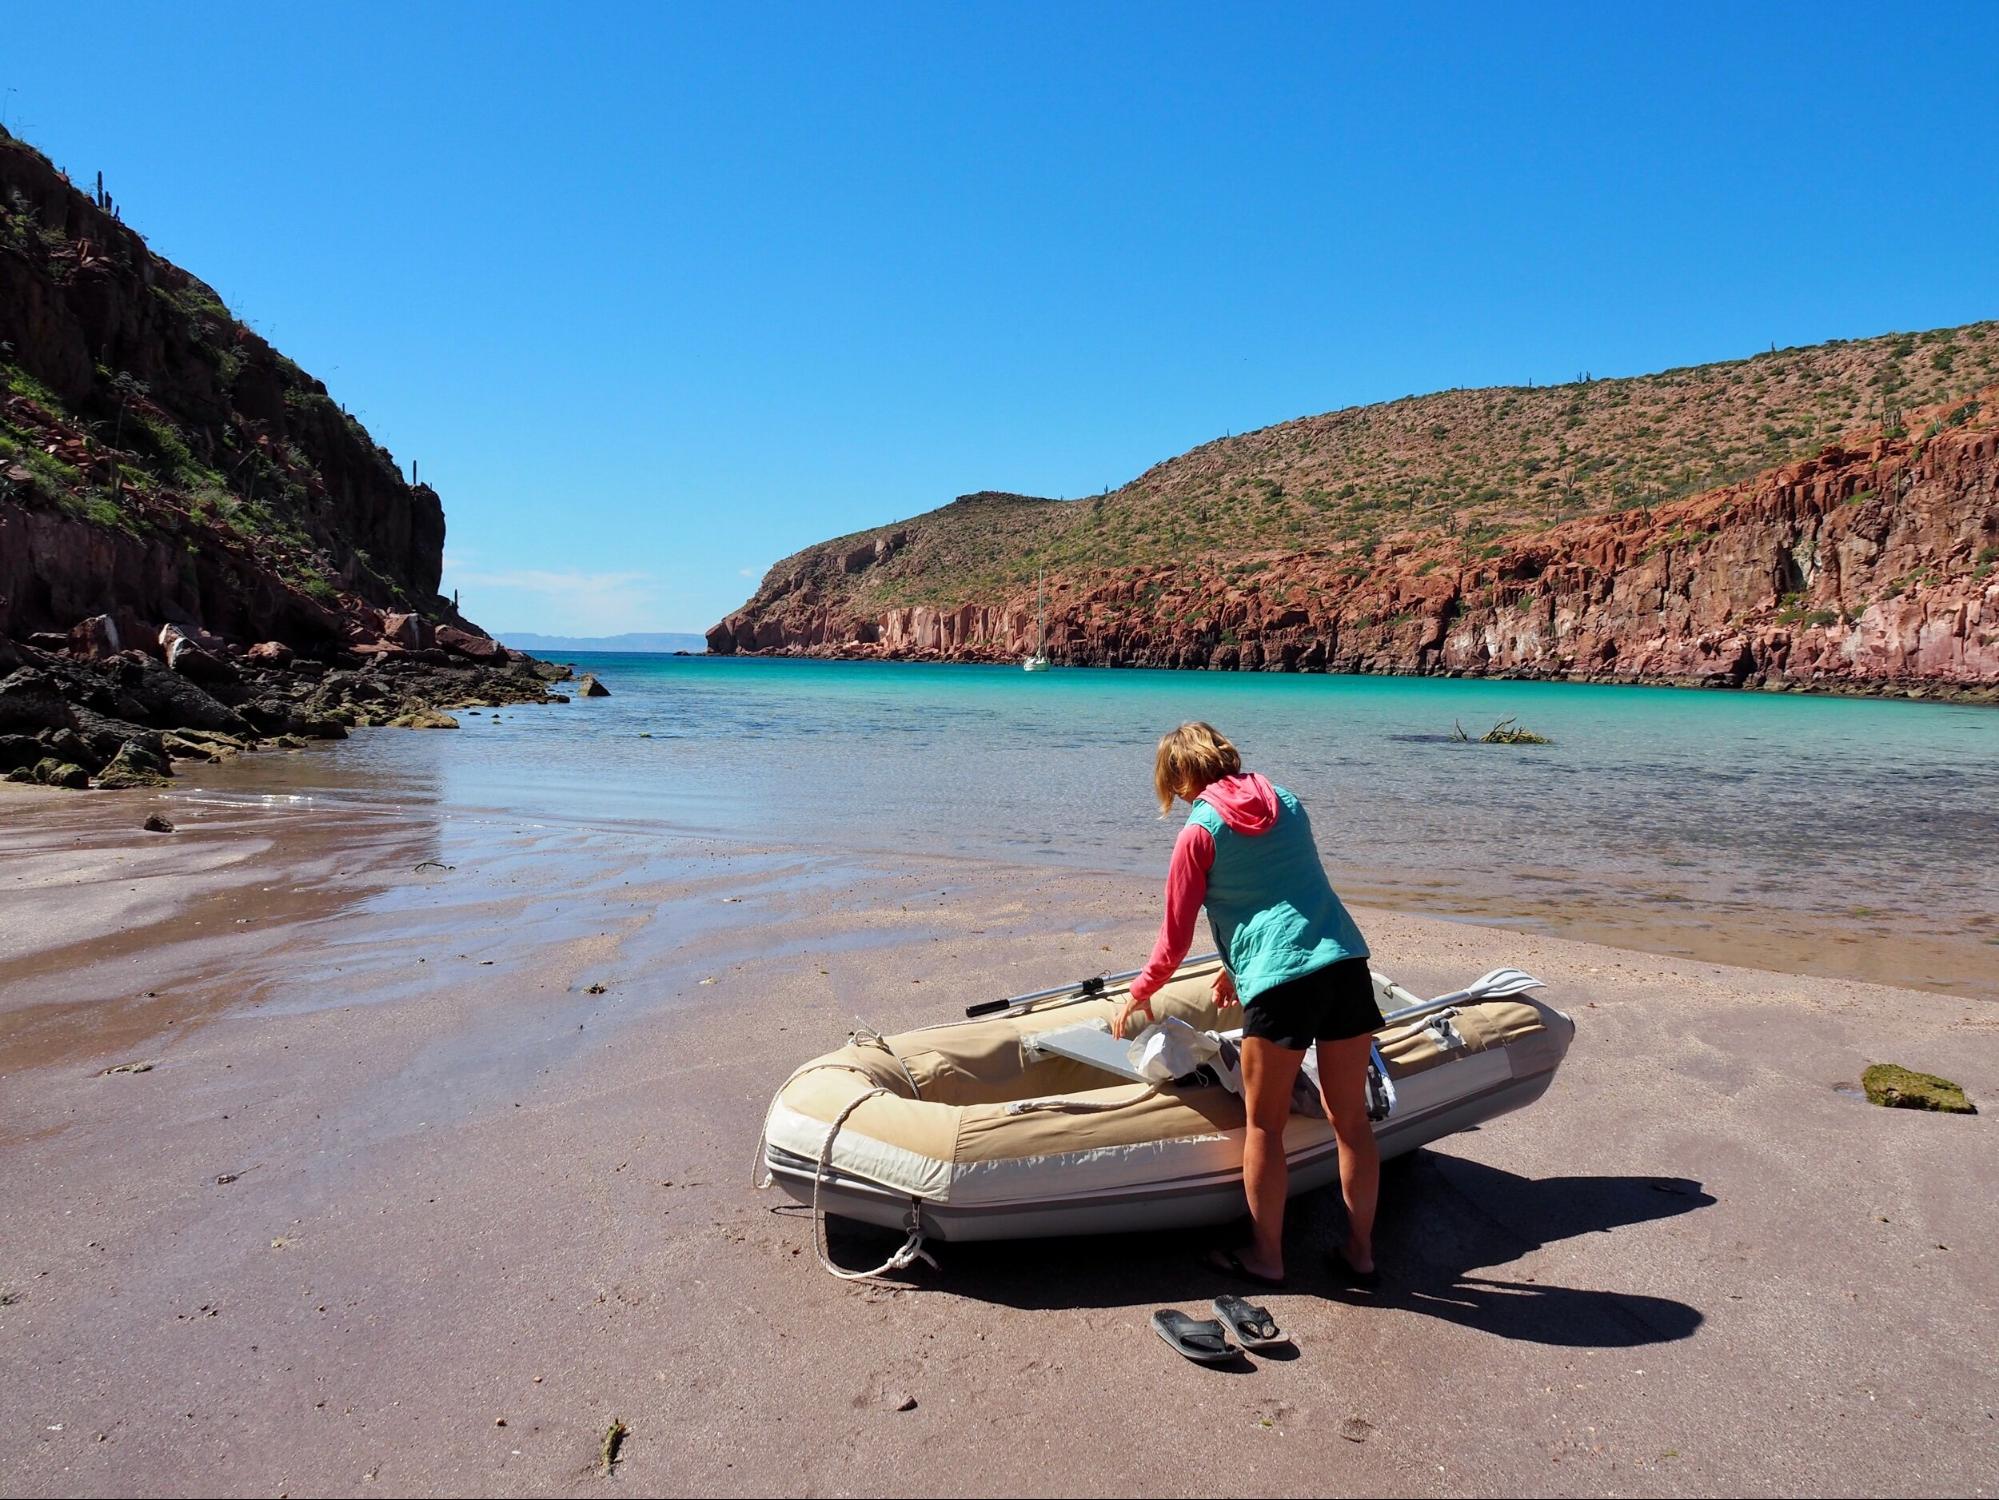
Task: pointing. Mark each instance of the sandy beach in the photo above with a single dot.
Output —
(403, 1205)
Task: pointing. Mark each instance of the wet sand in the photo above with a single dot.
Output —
(401, 1206)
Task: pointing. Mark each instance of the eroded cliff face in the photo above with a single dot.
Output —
(161, 459)
(200, 552)
(1871, 567)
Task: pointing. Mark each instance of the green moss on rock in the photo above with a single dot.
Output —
(134, 766)
(1895, 1087)
(52, 772)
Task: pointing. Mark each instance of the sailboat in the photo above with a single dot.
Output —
(1039, 661)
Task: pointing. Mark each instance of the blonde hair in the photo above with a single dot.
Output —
(1191, 757)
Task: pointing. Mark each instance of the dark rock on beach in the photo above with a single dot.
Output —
(135, 765)
(68, 720)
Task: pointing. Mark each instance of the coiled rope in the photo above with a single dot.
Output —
(911, 1249)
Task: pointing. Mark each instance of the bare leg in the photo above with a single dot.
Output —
(1343, 1088)
(1268, 1073)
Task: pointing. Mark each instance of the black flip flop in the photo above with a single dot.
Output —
(1227, 1260)
(1253, 1327)
(1345, 1274)
(1201, 1340)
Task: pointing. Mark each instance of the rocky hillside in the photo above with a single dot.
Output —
(1821, 517)
(177, 496)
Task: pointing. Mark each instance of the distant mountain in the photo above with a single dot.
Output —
(654, 640)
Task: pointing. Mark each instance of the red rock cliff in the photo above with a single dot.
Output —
(1872, 567)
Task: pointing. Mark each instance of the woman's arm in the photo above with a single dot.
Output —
(1186, 889)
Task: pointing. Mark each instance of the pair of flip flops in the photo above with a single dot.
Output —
(1206, 1340)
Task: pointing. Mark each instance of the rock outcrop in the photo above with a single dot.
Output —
(1871, 567)
(158, 456)
(196, 540)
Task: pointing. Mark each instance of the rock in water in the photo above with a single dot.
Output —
(590, 687)
(1895, 1087)
(156, 824)
(423, 718)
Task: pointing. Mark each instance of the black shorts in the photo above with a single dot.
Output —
(1331, 1004)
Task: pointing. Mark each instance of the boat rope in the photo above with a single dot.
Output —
(1065, 1104)
(866, 1035)
(912, 1248)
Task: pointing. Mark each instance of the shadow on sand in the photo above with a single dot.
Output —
(1443, 1219)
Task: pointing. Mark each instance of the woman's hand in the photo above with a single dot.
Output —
(1121, 1026)
(1225, 995)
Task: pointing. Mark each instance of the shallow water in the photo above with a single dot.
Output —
(1832, 835)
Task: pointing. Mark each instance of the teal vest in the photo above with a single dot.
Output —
(1272, 909)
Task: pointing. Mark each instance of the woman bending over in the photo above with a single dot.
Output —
(1293, 959)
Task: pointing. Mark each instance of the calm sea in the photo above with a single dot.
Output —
(1823, 834)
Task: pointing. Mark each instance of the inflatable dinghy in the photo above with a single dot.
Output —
(975, 1131)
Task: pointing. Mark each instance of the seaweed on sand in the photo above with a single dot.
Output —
(614, 1439)
(1895, 1087)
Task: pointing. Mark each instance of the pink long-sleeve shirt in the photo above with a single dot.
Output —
(1248, 804)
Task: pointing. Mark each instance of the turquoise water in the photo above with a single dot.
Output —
(1696, 822)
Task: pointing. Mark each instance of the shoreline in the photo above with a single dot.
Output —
(397, 1176)
(1967, 695)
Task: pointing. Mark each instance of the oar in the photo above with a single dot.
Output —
(1495, 985)
(1069, 994)
(1491, 986)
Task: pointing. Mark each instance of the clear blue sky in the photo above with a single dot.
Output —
(657, 294)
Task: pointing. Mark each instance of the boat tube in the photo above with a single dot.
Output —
(969, 1131)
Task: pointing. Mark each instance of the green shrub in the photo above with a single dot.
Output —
(18, 382)
(101, 510)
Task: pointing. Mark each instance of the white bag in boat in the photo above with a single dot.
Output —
(1171, 1049)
